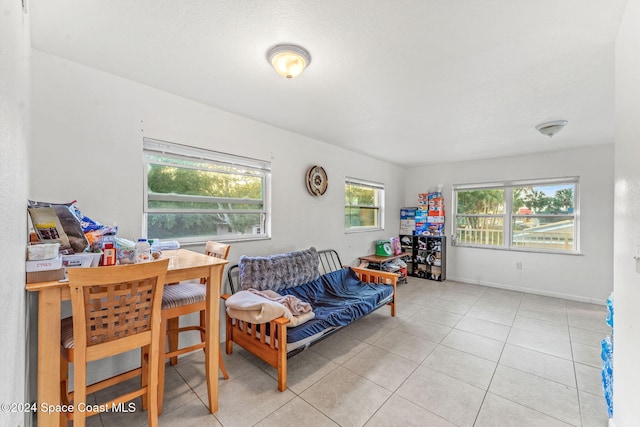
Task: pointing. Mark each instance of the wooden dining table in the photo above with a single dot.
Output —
(183, 265)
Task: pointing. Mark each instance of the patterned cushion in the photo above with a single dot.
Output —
(183, 294)
(66, 332)
(277, 272)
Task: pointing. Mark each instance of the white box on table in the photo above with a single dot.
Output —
(44, 264)
(88, 259)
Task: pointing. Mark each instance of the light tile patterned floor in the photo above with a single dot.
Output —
(455, 355)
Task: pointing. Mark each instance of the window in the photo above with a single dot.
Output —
(363, 205)
(480, 217)
(193, 195)
(536, 215)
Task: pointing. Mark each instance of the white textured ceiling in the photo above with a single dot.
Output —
(408, 81)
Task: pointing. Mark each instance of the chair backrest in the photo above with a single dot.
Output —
(216, 249)
(116, 302)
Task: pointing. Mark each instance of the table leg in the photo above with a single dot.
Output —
(213, 336)
(49, 356)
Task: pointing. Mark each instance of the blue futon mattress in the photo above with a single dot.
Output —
(338, 298)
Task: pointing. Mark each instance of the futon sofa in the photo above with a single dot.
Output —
(338, 296)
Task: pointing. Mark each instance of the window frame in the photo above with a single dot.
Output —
(173, 150)
(379, 188)
(509, 216)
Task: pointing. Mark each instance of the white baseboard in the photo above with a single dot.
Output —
(529, 291)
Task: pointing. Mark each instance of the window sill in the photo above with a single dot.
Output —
(362, 230)
(528, 250)
(223, 240)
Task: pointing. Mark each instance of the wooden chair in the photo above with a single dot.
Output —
(178, 300)
(115, 310)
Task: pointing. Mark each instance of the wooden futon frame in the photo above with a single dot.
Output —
(274, 351)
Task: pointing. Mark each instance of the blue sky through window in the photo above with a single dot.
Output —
(550, 190)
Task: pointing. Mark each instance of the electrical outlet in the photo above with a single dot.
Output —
(518, 266)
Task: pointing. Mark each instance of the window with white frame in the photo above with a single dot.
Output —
(363, 205)
(533, 215)
(194, 195)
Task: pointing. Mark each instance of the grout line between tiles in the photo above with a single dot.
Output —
(422, 306)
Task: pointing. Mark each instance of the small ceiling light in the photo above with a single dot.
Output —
(551, 128)
(288, 60)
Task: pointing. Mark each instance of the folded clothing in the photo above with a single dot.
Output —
(253, 308)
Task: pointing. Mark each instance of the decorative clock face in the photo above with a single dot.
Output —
(316, 180)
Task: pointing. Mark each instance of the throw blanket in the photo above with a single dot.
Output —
(295, 305)
(277, 272)
(249, 307)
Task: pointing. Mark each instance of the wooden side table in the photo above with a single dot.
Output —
(377, 262)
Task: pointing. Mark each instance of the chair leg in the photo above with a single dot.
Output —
(144, 374)
(64, 389)
(170, 333)
(79, 392)
(202, 338)
(222, 368)
(161, 362)
(229, 338)
(153, 384)
(173, 324)
(203, 325)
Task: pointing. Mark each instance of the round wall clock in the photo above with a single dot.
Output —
(316, 180)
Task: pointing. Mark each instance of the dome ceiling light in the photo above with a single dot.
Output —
(551, 128)
(288, 60)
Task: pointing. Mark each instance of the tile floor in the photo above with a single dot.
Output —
(455, 355)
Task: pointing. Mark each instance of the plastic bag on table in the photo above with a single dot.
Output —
(57, 223)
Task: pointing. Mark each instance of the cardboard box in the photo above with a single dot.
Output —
(407, 220)
(434, 230)
(437, 202)
(408, 213)
(407, 226)
(44, 264)
(45, 276)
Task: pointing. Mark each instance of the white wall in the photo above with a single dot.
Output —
(88, 128)
(626, 374)
(87, 132)
(585, 277)
(14, 105)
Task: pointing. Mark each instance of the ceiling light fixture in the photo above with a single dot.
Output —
(288, 60)
(551, 128)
